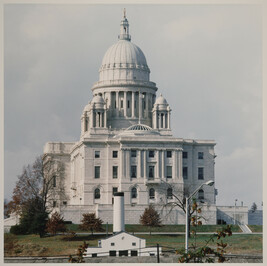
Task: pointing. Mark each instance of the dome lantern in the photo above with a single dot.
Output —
(124, 30)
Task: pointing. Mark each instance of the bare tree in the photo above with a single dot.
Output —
(173, 197)
(41, 180)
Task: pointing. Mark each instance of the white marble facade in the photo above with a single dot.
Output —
(127, 145)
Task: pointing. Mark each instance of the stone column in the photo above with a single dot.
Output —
(101, 119)
(92, 118)
(180, 164)
(145, 164)
(174, 170)
(158, 164)
(117, 100)
(147, 94)
(122, 164)
(139, 163)
(164, 120)
(105, 118)
(140, 106)
(127, 164)
(133, 114)
(163, 164)
(125, 104)
(168, 119)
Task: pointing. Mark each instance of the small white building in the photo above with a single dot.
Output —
(121, 243)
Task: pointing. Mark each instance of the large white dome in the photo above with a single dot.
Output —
(124, 60)
(124, 54)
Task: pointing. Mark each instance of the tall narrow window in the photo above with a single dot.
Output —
(151, 193)
(151, 154)
(133, 153)
(134, 193)
(185, 174)
(200, 173)
(115, 154)
(133, 171)
(97, 154)
(201, 194)
(54, 204)
(97, 171)
(128, 104)
(169, 154)
(151, 172)
(184, 154)
(115, 172)
(115, 104)
(169, 193)
(121, 103)
(97, 193)
(54, 181)
(169, 171)
(200, 155)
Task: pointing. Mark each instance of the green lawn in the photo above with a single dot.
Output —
(255, 228)
(165, 228)
(62, 245)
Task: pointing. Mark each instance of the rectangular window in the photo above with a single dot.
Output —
(97, 171)
(134, 244)
(133, 153)
(115, 172)
(144, 105)
(151, 172)
(185, 173)
(133, 171)
(151, 154)
(65, 203)
(112, 244)
(200, 155)
(114, 190)
(128, 104)
(169, 171)
(121, 103)
(54, 204)
(169, 154)
(200, 173)
(97, 154)
(184, 154)
(115, 154)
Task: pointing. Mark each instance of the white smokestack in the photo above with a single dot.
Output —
(118, 212)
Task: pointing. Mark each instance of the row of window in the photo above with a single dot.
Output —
(134, 195)
(151, 172)
(151, 193)
(128, 104)
(200, 155)
(151, 154)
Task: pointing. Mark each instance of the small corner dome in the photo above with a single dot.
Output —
(161, 100)
(86, 108)
(98, 100)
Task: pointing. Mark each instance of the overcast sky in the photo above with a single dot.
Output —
(205, 60)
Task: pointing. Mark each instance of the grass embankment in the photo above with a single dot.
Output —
(33, 245)
(165, 228)
(255, 228)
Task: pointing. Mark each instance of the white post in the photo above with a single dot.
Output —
(118, 213)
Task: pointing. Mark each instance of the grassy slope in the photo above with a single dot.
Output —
(255, 228)
(164, 228)
(60, 245)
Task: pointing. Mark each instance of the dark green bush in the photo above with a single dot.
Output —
(17, 230)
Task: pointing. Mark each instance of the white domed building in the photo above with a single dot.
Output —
(127, 145)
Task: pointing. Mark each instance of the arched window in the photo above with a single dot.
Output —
(151, 193)
(201, 194)
(134, 193)
(97, 193)
(169, 193)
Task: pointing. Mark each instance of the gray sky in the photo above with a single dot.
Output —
(205, 60)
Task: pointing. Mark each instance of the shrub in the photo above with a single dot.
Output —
(55, 224)
(90, 222)
(17, 230)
